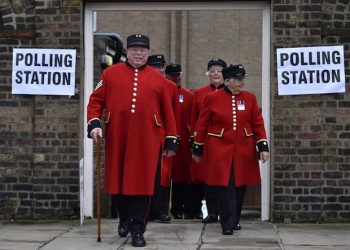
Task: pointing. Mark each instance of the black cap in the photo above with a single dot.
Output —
(233, 71)
(155, 60)
(173, 69)
(137, 40)
(218, 62)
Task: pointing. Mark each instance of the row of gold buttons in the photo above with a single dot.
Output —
(134, 94)
(234, 112)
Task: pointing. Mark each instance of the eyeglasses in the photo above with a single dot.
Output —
(138, 50)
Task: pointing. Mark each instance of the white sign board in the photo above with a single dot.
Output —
(310, 70)
(43, 71)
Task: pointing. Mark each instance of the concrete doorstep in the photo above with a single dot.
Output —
(179, 234)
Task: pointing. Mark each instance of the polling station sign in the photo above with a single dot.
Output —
(43, 71)
(310, 70)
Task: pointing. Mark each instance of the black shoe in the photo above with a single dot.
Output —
(189, 217)
(198, 216)
(227, 231)
(137, 240)
(237, 227)
(177, 216)
(164, 218)
(211, 218)
(123, 229)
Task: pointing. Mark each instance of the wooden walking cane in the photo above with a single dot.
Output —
(98, 196)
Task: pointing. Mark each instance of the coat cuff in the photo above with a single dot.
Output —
(171, 143)
(197, 148)
(94, 123)
(262, 146)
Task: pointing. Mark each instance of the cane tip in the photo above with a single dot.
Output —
(98, 239)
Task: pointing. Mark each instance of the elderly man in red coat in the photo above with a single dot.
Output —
(231, 131)
(134, 103)
(182, 199)
(161, 198)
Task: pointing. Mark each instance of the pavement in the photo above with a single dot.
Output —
(179, 234)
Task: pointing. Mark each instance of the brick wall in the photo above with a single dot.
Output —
(310, 133)
(39, 135)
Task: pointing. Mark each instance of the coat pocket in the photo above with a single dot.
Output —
(106, 117)
(216, 133)
(157, 122)
(248, 132)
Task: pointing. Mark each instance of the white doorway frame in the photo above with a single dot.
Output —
(90, 8)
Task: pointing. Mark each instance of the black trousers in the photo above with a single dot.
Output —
(114, 206)
(230, 203)
(197, 195)
(212, 200)
(186, 199)
(161, 195)
(134, 209)
(178, 192)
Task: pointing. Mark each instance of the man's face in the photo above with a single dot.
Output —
(215, 75)
(137, 56)
(160, 68)
(175, 77)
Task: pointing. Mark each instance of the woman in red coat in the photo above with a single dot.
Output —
(134, 100)
(231, 128)
(216, 82)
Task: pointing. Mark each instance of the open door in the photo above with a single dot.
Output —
(191, 34)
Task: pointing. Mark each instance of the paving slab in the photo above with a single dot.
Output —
(178, 235)
(313, 236)
(254, 235)
(19, 245)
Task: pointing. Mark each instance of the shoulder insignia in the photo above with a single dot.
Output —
(99, 84)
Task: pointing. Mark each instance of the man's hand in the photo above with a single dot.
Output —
(169, 153)
(264, 156)
(196, 158)
(96, 134)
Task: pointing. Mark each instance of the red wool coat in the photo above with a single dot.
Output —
(198, 172)
(135, 105)
(167, 162)
(230, 126)
(181, 171)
